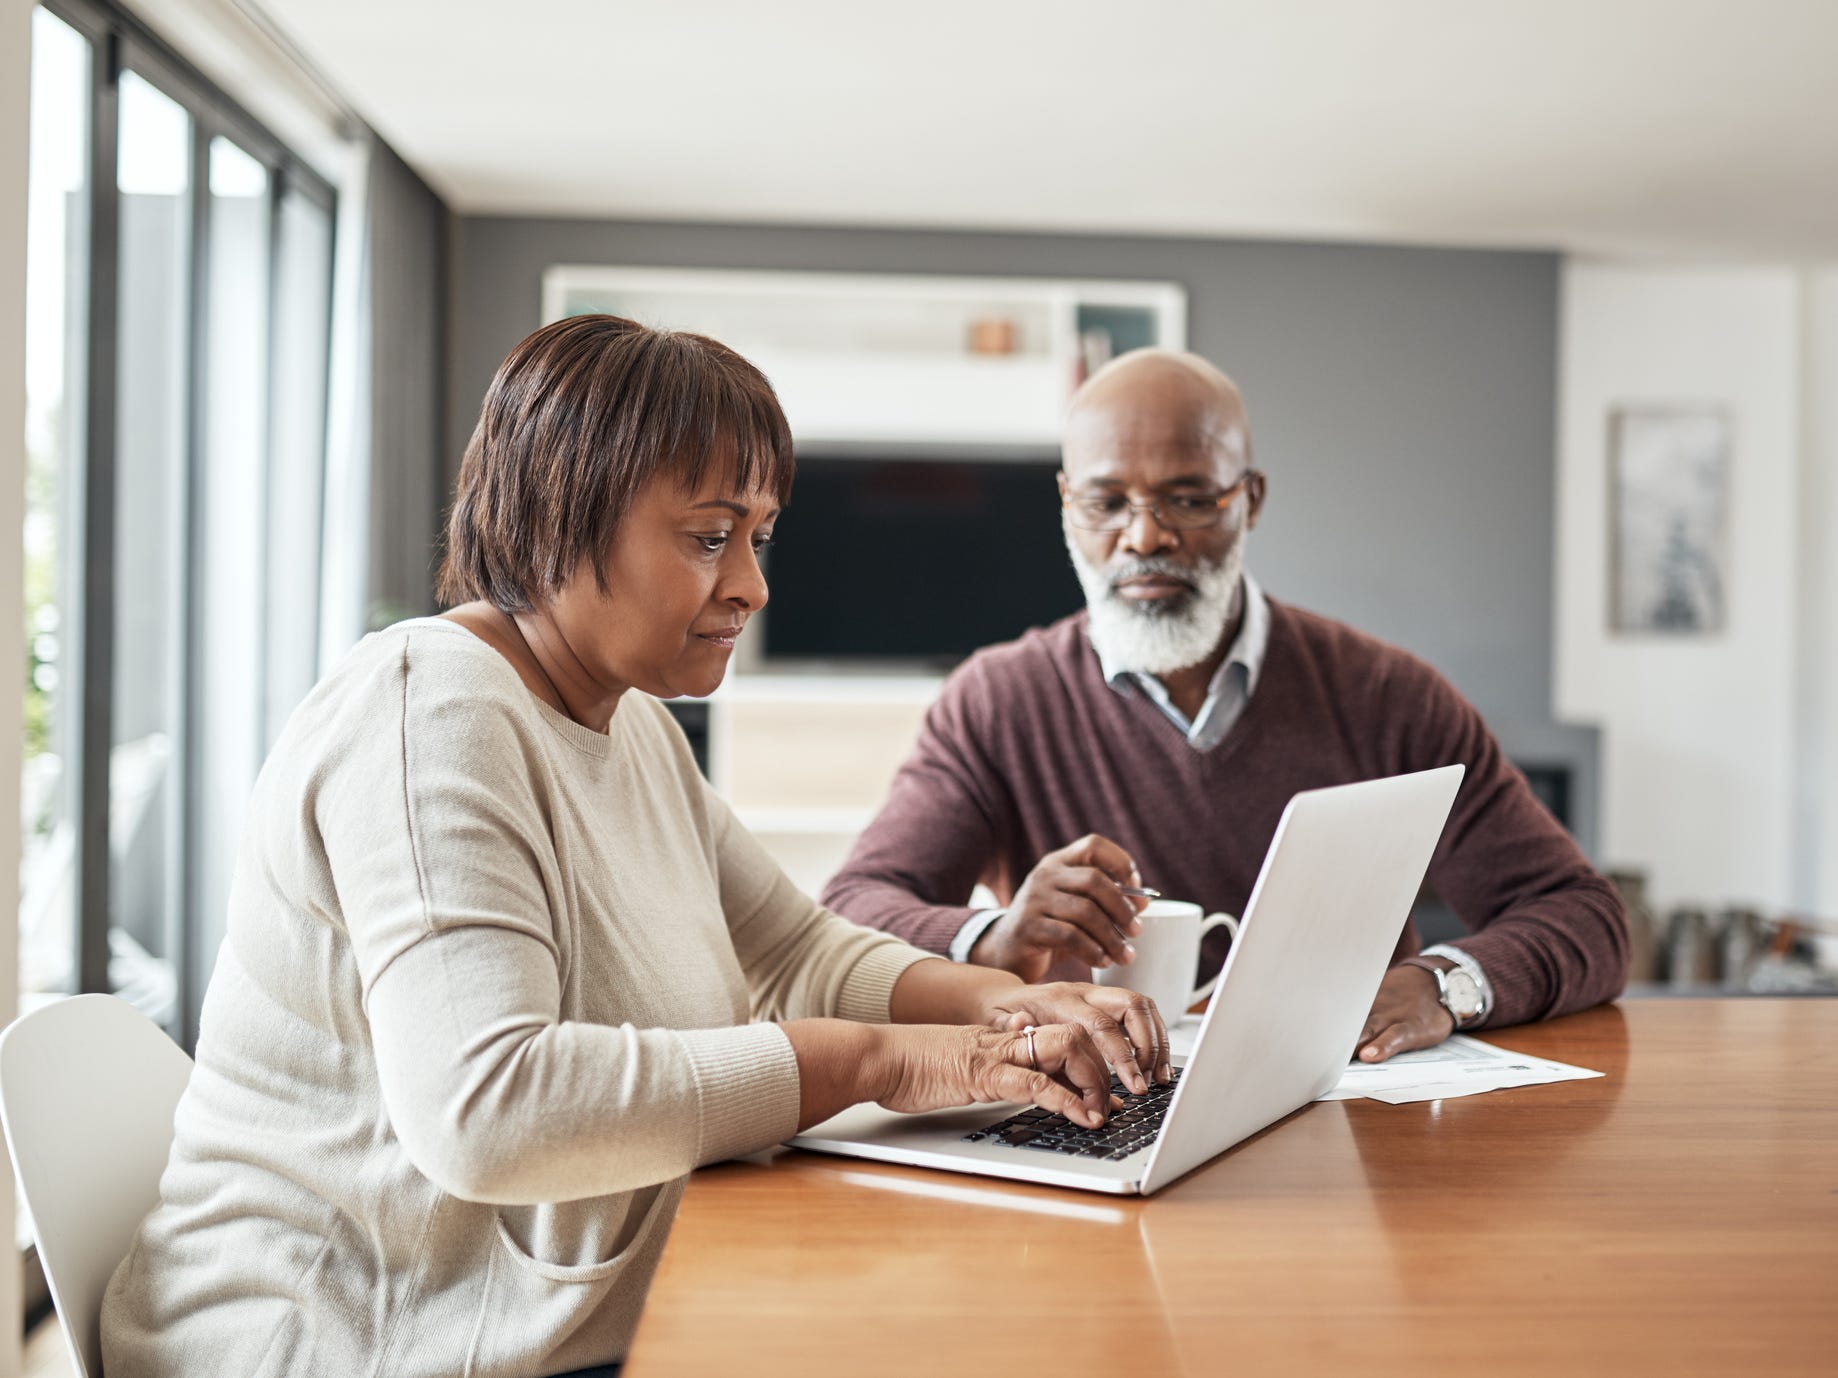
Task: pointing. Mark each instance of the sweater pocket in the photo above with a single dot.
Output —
(583, 1241)
(565, 1283)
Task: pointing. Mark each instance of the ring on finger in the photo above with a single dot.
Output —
(1032, 1059)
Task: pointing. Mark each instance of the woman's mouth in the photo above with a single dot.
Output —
(722, 636)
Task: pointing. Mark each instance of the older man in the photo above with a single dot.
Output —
(1155, 737)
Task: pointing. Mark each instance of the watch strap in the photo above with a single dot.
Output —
(1442, 984)
(1478, 973)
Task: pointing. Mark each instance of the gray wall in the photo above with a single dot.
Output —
(1402, 401)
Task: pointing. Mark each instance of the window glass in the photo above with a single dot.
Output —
(230, 537)
(296, 489)
(152, 446)
(57, 277)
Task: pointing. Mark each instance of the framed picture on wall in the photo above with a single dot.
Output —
(1668, 475)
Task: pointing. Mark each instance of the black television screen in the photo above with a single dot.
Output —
(915, 560)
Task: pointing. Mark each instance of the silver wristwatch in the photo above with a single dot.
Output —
(1459, 992)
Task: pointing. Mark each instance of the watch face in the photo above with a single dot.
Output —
(1464, 994)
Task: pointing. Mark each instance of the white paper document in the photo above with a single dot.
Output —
(1458, 1066)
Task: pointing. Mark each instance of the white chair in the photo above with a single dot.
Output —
(88, 1087)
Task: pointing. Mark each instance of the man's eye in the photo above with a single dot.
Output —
(1102, 506)
(1182, 502)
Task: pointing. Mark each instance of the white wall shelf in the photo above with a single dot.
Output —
(873, 359)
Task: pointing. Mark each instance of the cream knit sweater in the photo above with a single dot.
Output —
(483, 1004)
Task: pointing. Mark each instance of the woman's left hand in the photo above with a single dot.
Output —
(1127, 1027)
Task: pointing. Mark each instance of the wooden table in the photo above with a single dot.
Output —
(1679, 1215)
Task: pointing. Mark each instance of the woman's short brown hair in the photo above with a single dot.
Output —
(581, 415)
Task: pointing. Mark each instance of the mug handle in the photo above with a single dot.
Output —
(1207, 925)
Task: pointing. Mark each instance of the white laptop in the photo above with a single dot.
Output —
(1313, 945)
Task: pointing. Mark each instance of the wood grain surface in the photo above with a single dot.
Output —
(1676, 1216)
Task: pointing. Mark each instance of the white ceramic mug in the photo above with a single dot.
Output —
(1167, 954)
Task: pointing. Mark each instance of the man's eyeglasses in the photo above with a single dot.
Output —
(1173, 512)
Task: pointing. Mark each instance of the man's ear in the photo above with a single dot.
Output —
(1254, 499)
(1064, 487)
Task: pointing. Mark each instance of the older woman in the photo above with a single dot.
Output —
(494, 947)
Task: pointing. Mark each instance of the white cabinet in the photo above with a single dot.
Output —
(862, 358)
(805, 760)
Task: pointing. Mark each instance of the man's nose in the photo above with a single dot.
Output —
(1143, 533)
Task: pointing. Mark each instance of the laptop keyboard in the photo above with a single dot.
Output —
(1130, 1130)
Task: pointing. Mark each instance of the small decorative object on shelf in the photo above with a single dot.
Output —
(1732, 951)
(993, 335)
(1642, 926)
(1692, 949)
(1095, 349)
(1790, 965)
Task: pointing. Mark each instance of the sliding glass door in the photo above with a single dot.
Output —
(180, 268)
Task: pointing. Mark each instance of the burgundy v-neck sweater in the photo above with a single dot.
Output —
(1028, 749)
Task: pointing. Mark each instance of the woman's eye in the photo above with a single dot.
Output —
(712, 544)
(761, 543)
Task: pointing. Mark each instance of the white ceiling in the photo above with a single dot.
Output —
(1669, 126)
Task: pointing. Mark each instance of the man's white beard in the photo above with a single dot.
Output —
(1160, 636)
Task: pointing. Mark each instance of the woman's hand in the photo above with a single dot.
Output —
(1127, 1028)
(934, 1066)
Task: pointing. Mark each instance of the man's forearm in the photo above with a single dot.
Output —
(1556, 954)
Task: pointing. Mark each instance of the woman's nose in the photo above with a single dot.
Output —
(747, 589)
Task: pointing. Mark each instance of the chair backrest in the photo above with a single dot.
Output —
(88, 1087)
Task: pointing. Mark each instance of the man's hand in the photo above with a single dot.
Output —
(1070, 906)
(1407, 1014)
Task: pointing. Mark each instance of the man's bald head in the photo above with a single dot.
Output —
(1162, 400)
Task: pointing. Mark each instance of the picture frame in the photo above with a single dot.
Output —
(1668, 519)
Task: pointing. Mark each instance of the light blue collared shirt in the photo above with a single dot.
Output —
(1232, 684)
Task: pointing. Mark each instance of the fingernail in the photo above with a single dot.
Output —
(1129, 952)
(1135, 926)
(1103, 962)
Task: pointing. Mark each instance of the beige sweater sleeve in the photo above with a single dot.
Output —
(801, 960)
(433, 833)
